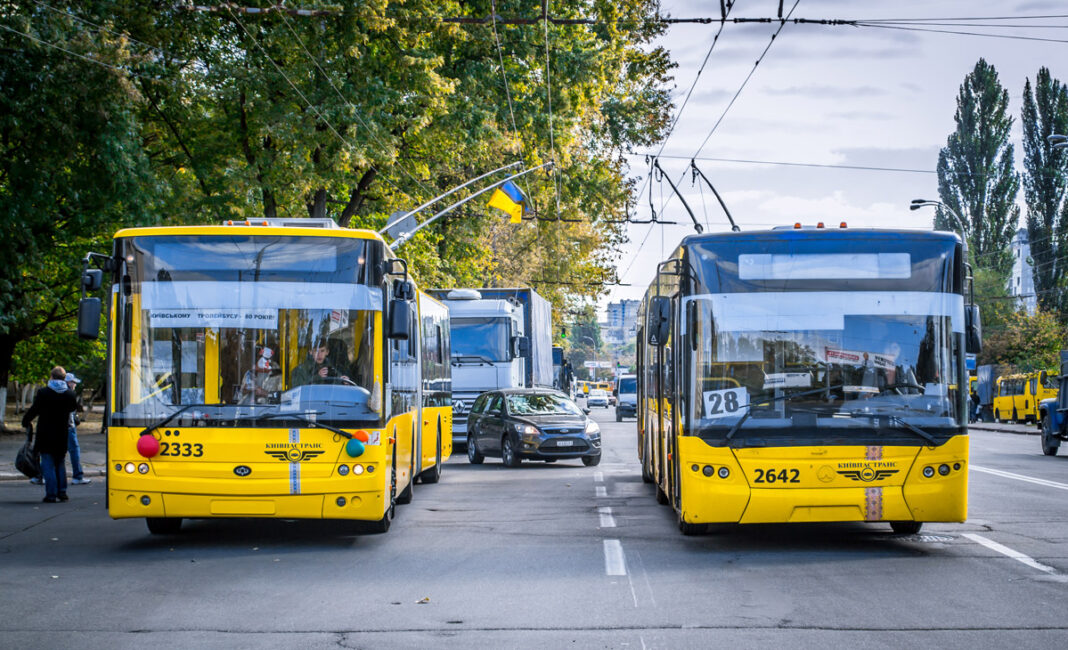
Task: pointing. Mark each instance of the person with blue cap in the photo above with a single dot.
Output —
(73, 449)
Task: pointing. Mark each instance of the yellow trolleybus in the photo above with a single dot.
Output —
(282, 368)
(806, 375)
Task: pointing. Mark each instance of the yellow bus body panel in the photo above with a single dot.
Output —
(822, 483)
(432, 415)
(288, 480)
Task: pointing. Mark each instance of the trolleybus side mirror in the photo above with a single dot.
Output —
(89, 318)
(660, 320)
(520, 347)
(400, 320)
(92, 279)
(973, 329)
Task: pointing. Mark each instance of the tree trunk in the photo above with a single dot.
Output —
(356, 198)
(317, 205)
(7, 351)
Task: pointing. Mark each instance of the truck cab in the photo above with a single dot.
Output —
(1053, 413)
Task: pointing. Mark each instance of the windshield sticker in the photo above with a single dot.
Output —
(374, 438)
(855, 358)
(264, 319)
(725, 403)
(788, 380)
(259, 295)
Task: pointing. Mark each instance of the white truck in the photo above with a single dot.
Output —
(501, 338)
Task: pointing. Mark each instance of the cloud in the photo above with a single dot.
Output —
(828, 92)
(862, 115)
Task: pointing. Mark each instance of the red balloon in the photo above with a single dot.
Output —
(147, 446)
(361, 435)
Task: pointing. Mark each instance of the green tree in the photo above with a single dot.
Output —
(72, 167)
(1045, 180)
(1027, 342)
(975, 170)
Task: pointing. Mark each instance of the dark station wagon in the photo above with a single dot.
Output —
(531, 424)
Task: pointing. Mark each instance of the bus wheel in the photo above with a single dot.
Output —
(382, 525)
(647, 476)
(906, 527)
(164, 525)
(661, 496)
(1049, 443)
(405, 497)
(474, 456)
(997, 416)
(1015, 417)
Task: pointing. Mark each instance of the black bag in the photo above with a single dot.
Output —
(27, 460)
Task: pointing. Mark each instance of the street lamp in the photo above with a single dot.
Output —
(921, 203)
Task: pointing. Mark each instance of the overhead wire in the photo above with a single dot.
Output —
(961, 33)
(549, 101)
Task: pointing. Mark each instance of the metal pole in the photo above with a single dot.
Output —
(696, 225)
(439, 197)
(404, 238)
(723, 205)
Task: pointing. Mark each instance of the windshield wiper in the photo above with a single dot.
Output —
(298, 418)
(894, 418)
(155, 425)
(462, 358)
(749, 409)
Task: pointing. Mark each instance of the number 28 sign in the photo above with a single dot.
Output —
(726, 403)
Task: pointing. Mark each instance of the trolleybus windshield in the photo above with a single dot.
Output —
(815, 339)
(234, 328)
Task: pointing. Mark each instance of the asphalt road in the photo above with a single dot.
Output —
(546, 556)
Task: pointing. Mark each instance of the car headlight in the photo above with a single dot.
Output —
(526, 429)
(592, 429)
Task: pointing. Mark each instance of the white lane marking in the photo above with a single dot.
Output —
(607, 520)
(598, 477)
(614, 565)
(1005, 550)
(1021, 477)
(601, 491)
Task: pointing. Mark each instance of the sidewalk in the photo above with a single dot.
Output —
(90, 440)
(1004, 427)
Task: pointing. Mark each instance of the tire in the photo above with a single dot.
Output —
(661, 496)
(382, 525)
(164, 525)
(688, 529)
(619, 417)
(1015, 417)
(906, 527)
(997, 416)
(591, 461)
(647, 477)
(405, 497)
(508, 455)
(1050, 445)
(474, 456)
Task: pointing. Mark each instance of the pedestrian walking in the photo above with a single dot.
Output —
(52, 407)
(73, 448)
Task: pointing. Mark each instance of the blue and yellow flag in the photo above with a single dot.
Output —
(508, 198)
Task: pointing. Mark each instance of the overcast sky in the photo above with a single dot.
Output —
(825, 95)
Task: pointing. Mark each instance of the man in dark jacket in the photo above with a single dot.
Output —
(52, 406)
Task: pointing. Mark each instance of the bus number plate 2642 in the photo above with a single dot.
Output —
(731, 402)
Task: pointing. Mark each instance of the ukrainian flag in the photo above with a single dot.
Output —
(509, 199)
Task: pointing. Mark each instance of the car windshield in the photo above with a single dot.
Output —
(598, 393)
(541, 404)
(629, 385)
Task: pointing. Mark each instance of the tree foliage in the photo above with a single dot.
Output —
(1027, 342)
(976, 179)
(1045, 181)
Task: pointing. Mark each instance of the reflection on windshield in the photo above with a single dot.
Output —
(486, 338)
(900, 366)
(544, 404)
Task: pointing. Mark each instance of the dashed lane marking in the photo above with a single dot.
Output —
(601, 491)
(614, 564)
(598, 477)
(607, 520)
(1020, 477)
(1005, 550)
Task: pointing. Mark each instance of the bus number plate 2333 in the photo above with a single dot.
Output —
(731, 402)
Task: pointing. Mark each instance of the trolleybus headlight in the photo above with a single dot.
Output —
(724, 472)
(341, 502)
(956, 466)
(943, 469)
(708, 470)
(145, 500)
(695, 467)
(370, 469)
(343, 469)
(928, 471)
(130, 468)
(143, 468)
(118, 467)
(357, 470)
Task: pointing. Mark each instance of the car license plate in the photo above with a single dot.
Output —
(564, 443)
